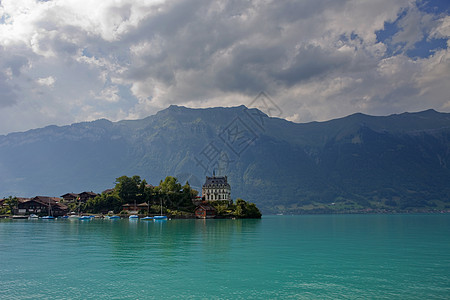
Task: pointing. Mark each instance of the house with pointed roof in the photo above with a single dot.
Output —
(205, 211)
(41, 205)
(85, 196)
(216, 188)
(70, 197)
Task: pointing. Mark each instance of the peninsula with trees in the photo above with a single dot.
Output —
(133, 195)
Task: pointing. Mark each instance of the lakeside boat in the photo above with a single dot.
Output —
(50, 213)
(16, 217)
(133, 217)
(74, 216)
(147, 218)
(33, 216)
(84, 218)
(161, 217)
(112, 217)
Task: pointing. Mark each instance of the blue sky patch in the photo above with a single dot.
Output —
(425, 48)
(434, 6)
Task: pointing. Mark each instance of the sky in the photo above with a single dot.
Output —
(66, 61)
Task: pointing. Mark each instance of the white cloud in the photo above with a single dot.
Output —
(117, 59)
(47, 81)
(109, 94)
(442, 30)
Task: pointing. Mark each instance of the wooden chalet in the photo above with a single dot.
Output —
(143, 206)
(205, 211)
(85, 196)
(40, 205)
(108, 191)
(70, 197)
(32, 206)
(131, 207)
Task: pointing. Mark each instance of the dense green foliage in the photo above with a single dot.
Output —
(176, 200)
(246, 210)
(9, 205)
(240, 209)
(132, 190)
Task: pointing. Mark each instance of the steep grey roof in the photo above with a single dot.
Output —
(88, 194)
(45, 199)
(206, 207)
(70, 194)
(216, 181)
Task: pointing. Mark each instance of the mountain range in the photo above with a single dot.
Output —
(358, 163)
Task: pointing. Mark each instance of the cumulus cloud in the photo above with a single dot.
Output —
(47, 81)
(319, 59)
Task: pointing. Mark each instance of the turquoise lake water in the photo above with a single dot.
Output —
(277, 257)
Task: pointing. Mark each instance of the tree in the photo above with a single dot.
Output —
(128, 188)
(168, 190)
(12, 203)
(170, 185)
(104, 203)
(253, 211)
(186, 196)
(246, 210)
(148, 193)
(240, 210)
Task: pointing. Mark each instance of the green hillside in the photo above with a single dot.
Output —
(354, 164)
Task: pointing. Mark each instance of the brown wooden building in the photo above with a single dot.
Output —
(85, 196)
(131, 207)
(70, 197)
(205, 211)
(40, 205)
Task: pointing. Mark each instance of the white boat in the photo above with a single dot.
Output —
(73, 215)
(133, 217)
(112, 217)
(160, 217)
(16, 217)
(147, 218)
(50, 214)
(33, 216)
(84, 218)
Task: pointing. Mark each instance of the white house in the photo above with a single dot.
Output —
(216, 189)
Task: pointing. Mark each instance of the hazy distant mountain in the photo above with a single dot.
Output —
(397, 162)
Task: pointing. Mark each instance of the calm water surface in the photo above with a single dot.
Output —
(300, 257)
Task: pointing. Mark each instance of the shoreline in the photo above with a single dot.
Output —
(99, 216)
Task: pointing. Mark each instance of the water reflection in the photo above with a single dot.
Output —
(172, 241)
